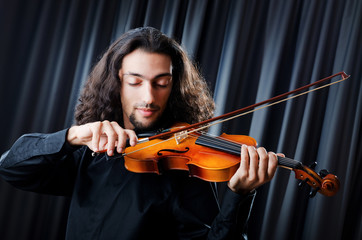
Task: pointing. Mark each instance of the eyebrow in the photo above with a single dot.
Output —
(141, 76)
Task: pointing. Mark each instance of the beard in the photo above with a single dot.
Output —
(140, 126)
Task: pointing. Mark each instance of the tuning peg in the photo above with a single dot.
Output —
(313, 192)
(312, 165)
(303, 182)
(323, 173)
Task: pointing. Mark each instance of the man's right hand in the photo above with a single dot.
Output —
(99, 136)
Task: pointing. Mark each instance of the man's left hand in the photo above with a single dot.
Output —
(257, 166)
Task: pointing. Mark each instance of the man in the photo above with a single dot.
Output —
(143, 83)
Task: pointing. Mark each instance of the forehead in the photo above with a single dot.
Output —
(146, 63)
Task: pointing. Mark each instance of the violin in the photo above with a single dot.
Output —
(216, 159)
(213, 159)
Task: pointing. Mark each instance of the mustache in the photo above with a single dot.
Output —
(147, 106)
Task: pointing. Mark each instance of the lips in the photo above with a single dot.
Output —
(146, 112)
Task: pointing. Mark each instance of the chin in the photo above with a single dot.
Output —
(144, 125)
(141, 123)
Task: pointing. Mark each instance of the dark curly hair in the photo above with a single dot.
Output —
(190, 100)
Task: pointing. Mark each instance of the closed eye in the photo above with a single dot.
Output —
(163, 82)
(132, 80)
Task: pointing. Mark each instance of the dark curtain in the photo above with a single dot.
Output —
(248, 51)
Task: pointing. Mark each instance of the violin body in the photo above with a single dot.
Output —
(203, 162)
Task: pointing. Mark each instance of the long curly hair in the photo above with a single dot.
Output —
(190, 100)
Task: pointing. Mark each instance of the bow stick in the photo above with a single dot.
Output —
(251, 108)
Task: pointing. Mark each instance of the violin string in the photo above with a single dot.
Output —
(225, 143)
(222, 139)
(241, 114)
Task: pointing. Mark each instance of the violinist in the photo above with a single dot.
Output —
(143, 83)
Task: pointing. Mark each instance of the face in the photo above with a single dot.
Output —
(146, 83)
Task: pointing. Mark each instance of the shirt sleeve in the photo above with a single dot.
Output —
(231, 222)
(43, 163)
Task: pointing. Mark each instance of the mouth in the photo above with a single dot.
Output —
(146, 112)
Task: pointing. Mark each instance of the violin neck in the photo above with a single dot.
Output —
(235, 148)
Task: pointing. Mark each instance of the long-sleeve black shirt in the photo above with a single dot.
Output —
(109, 202)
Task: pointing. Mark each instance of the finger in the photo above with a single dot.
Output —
(103, 141)
(272, 165)
(254, 162)
(121, 136)
(111, 136)
(239, 178)
(263, 164)
(95, 128)
(132, 137)
(244, 159)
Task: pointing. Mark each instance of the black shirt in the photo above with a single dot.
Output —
(109, 202)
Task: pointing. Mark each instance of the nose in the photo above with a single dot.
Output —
(148, 94)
